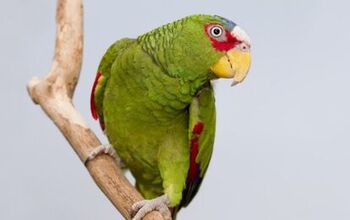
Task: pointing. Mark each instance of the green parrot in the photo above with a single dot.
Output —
(155, 102)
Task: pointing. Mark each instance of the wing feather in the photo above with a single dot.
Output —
(201, 136)
(103, 73)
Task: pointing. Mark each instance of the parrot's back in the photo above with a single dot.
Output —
(102, 76)
(140, 108)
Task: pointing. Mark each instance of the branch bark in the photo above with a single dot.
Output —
(54, 94)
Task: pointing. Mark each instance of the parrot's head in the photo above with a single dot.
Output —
(233, 45)
(202, 47)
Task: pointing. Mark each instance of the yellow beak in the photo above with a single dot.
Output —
(235, 64)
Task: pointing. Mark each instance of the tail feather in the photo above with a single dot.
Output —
(174, 212)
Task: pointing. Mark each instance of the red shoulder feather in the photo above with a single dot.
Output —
(92, 97)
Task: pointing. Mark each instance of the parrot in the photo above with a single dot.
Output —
(154, 99)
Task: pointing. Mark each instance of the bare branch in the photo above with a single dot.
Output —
(54, 94)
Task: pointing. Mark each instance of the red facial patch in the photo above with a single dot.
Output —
(223, 46)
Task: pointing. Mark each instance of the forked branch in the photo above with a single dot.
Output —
(54, 94)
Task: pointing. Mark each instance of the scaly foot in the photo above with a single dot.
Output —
(143, 207)
(105, 149)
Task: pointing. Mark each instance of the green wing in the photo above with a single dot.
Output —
(201, 136)
(103, 73)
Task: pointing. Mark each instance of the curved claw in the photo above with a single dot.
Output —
(143, 207)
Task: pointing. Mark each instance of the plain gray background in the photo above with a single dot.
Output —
(282, 148)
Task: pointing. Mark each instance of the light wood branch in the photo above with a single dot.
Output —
(54, 94)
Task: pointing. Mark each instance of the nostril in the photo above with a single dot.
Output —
(245, 47)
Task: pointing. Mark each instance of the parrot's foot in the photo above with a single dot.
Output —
(143, 207)
(105, 149)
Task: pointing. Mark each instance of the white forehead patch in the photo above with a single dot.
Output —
(241, 35)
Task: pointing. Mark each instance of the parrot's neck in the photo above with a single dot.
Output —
(197, 85)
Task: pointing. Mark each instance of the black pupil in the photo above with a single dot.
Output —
(217, 31)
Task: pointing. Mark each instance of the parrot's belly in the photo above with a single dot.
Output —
(137, 140)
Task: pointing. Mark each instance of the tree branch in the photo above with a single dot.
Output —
(54, 94)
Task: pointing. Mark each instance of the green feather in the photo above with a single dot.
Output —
(146, 97)
(104, 68)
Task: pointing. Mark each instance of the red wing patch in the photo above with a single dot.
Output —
(194, 179)
(92, 97)
(198, 128)
(193, 172)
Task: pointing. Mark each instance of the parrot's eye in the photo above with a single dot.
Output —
(216, 31)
